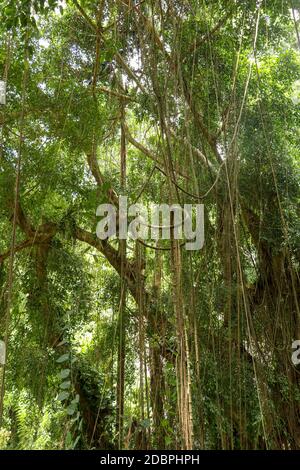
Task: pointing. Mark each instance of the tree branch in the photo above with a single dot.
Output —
(38, 240)
(149, 154)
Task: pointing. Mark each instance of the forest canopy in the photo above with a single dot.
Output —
(142, 344)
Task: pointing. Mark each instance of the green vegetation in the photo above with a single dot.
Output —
(130, 345)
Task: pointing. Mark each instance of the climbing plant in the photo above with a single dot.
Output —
(142, 344)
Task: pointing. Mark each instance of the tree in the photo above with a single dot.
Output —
(173, 102)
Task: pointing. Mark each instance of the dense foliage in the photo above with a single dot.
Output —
(114, 344)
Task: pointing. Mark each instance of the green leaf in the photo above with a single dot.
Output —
(71, 409)
(65, 384)
(63, 358)
(63, 396)
(76, 418)
(76, 399)
(76, 442)
(68, 440)
(64, 373)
